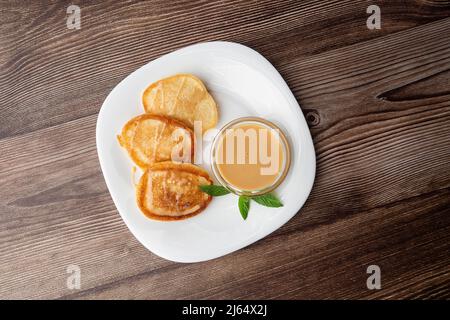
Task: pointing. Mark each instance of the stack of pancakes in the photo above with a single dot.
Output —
(162, 143)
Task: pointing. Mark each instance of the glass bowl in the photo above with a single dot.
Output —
(284, 147)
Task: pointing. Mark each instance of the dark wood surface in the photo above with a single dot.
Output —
(378, 105)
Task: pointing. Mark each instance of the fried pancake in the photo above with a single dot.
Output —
(151, 138)
(183, 97)
(170, 191)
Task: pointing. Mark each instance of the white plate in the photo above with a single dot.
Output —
(243, 83)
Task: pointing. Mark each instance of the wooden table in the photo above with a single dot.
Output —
(378, 106)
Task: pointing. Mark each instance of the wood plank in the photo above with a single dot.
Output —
(386, 146)
(379, 108)
(51, 75)
(317, 263)
(56, 212)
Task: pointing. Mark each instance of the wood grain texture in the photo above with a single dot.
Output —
(378, 105)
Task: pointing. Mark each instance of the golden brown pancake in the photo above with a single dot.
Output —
(152, 138)
(183, 97)
(170, 191)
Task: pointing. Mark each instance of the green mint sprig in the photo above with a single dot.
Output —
(244, 206)
(267, 200)
(214, 190)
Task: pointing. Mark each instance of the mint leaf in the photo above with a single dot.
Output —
(244, 206)
(214, 190)
(268, 200)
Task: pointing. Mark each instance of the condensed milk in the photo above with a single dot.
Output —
(250, 156)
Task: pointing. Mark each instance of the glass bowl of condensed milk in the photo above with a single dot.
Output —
(250, 156)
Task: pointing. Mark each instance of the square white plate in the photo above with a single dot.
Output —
(243, 83)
